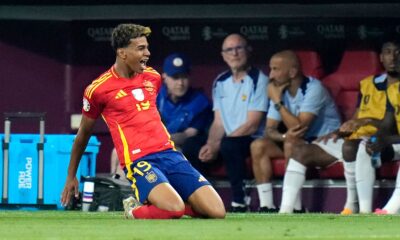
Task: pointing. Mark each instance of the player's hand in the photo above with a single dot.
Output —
(295, 133)
(377, 146)
(71, 188)
(207, 153)
(275, 91)
(351, 126)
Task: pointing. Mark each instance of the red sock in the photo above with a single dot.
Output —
(190, 212)
(153, 212)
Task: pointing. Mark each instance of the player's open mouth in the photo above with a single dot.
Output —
(143, 63)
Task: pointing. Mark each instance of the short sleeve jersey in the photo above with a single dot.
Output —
(234, 100)
(128, 106)
(312, 97)
(193, 110)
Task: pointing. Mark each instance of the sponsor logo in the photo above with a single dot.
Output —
(99, 34)
(176, 33)
(25, 176)
(151, 177)
(255, 32)
(365, 32)
(286, 32)
(138, 94)
(86, 105)
(331, 31)
(244, 97)
(209, 33)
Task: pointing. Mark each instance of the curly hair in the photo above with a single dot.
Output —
(123, 33)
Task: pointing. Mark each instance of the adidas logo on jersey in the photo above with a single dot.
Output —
(202, 179)
(120, 94)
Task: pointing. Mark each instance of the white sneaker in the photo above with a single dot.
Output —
(129, 204)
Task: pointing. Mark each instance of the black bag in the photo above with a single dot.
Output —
(108, 194)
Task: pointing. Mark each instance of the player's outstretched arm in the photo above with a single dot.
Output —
(79, 146)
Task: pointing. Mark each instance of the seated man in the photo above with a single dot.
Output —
(184, 111)
(372, 109)
(305, 108)
(239, 104)
(391, 142)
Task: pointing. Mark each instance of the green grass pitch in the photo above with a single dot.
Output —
(29, 225)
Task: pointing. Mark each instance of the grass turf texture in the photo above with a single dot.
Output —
(111, 225)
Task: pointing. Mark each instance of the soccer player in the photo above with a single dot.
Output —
(373, 104)
(185, 111)
(164, 183)
(302, 105)
(358, 173)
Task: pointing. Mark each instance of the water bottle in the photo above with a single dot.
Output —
(87, 198)
(375, 156)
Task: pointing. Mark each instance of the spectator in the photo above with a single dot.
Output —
(184, 111)
(332, 147)
(304, 107)
(240, 103)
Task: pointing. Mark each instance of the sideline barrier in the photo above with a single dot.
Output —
(23, 167)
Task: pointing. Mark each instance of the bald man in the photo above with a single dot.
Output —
(372, 117)
(303, 107)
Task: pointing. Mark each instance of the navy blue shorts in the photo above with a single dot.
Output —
(167, 166)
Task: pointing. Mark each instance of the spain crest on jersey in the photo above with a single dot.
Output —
(151, 177)
(138, 94)
(148, 86)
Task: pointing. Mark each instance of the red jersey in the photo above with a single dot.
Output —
(128, 106)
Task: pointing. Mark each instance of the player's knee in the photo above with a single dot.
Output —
(218, 213)
(215, 211)
(300, 152)
(176, 206)
(171, 205)
(176, 214)
(257, 144)
(349, 150)
(257, 147)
